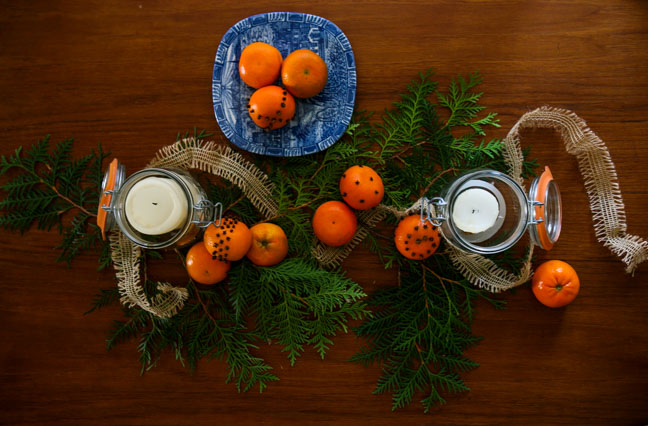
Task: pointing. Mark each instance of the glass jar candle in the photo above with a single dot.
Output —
(486, 212)
(156, 207)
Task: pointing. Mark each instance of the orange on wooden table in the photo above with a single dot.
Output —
(334, 223)
(203, 267)
(361, 187)
(259, 64)
(271, 107)
(269, 244)
(555, 283)
(415, 239)
(304, 73)
(230, 241)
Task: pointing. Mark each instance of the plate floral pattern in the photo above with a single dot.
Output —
(319, 121)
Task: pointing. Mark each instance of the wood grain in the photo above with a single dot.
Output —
(133, 74)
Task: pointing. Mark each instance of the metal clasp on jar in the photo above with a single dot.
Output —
(214, 212)
(532, 205)
(433, 210)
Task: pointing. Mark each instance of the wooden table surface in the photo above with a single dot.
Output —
(131, 74)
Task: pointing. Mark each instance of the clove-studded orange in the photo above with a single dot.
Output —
(416, 240)
(230, 241)
(361, 187)
(271, 107)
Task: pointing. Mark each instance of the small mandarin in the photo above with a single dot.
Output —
(269, 244)
(259, 64)
(304, 73)
(361, 187)
(555, 283)
(203, 267)
(334, 223)
(416, 240)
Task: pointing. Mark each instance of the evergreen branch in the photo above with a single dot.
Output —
(421, 326)
(104, 298)
(48, 184)
(417, 330)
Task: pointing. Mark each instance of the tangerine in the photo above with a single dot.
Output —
(555, 283)
(304, 73)
(271, 107)
(361, 187)
(334, 223)
(230, 241)
(269, 244)
(259, 64)
(415, 239)
(203, 267)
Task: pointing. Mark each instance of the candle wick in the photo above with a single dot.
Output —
(155, 204)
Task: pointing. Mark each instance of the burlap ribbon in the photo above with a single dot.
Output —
(599, 177)
(187, 154)
(594, 162)
(600, 180)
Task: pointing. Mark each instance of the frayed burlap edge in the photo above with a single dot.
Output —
(368, 219)
(209, 157)
(224, 162)
(599, 177)
(595, 165)
(600, 180)
(126, 257)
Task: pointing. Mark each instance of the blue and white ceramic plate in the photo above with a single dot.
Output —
(319, 121)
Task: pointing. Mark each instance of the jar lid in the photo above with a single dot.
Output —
(112, 181)
(545, 210)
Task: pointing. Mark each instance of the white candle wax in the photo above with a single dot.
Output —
(156, 206)
(475, 210)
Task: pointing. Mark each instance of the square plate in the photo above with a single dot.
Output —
(319, 121)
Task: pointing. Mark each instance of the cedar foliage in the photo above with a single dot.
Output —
(417, 330)
(421, 326)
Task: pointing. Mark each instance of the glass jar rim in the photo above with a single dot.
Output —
(459, 185)
(120, 217)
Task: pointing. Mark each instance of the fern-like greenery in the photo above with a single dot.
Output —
(45, 184)
(417, 330)
(421, 326)
(295, 304)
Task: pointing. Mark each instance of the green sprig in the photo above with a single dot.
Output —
(421, 326)
(417, 330)
(46, 184)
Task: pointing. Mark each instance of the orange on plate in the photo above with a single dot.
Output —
(230, 241)
(269, 244)
(203, 268)
(271, 107)
(361, 187)
(416, 240)
(555, 283)
(304, 73)
(259, 64)
(334, 223)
